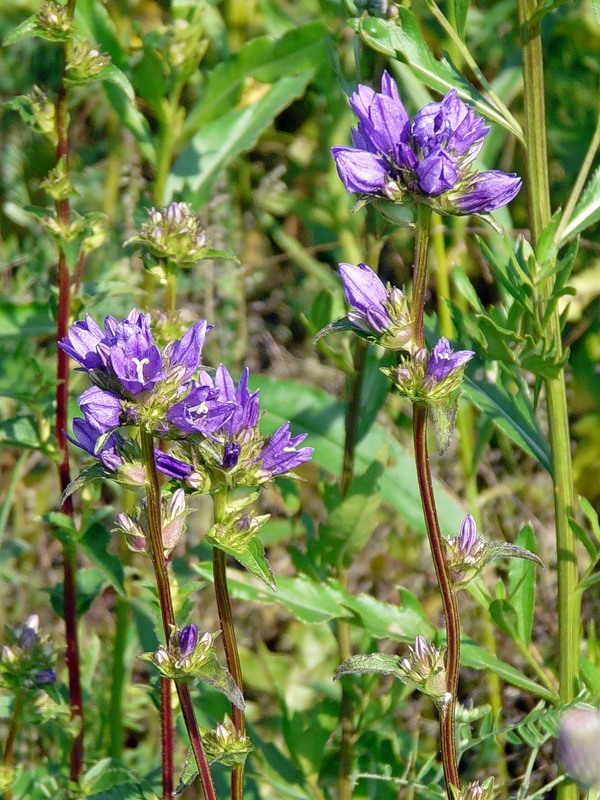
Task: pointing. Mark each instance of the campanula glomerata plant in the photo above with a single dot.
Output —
(236, 559)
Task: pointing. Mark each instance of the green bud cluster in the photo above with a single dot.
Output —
(57, 182)
(173, 233)
(476, 791)
(399, 334)
(37, 111)
(463, 564)
(26, 658)
(237, 531)
(226, 745)
(85, 62)
(424, 670)
(54, 21)
(136, 528)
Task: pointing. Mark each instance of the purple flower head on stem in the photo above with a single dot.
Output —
(101, 409)
(375, 309)
(444, 361)
(428, 157)
(279, 454)
(124, 358)
(201, 411)
(188, 637)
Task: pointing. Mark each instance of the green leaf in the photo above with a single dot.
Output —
(461, 9)
(351, 523)
(266, 60)
(89, 475)
(587, 210)
(219, 142)
(94, 543)
(521, 583)
(28, 28)
(505, 616)
(214, 674)
(376, 663)
(94, 22)
(20, 432)
(314, 411)
(591, 515)
(472, 655)
(25, 320)
(90, 583)
(404, 39)
(252, 557)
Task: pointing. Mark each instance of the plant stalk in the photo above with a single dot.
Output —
(166, 609)
(449, 603)
(11, 736)
(229, 640)
(538, 195)
(63, 213)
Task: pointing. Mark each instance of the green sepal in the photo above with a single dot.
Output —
(251, 556)
(209, 670)
(89, 475)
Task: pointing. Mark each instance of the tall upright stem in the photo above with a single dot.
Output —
(229, 640)
(63, 212)
(166, 609)
(538, 196)
(449, 604)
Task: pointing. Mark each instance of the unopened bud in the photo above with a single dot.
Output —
(86, 62)
(188, 638)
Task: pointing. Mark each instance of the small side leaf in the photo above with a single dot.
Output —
(369, 663)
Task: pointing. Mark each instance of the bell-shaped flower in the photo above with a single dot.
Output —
(578, 738)
(427, 159)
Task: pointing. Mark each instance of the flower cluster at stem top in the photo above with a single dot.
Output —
(161, 391)
(427, 159)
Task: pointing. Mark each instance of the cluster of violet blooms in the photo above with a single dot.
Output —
(427, 159)
(162, 391)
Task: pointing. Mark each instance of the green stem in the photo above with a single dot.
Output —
(11, 736)
(166, 607)
(449, 604)
(171, 288)
(118, 678)
(558, 420)
(229, 639)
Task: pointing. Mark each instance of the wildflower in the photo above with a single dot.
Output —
(85, 62)
(467, 554)
(427, 159)
(424, 669)
(476, 791)
(173, 233)
(189, 657)
(226, 745)
(136, 528)
(446, 366)
(136, 383)
(380, 312)
(578, 738)
(54, 21)
(235, 451)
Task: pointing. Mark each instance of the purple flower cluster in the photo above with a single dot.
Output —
(138, 384)
(238, 441)
(430, 156)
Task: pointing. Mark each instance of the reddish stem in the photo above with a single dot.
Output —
(62, 401)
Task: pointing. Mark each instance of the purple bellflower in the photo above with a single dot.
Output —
(429, 158)
(445, 362)
(237, 448)
(376, 310)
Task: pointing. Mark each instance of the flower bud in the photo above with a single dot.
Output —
(424, 669)
(57, 182)
(224, 744)
(86, 62)
(173, 233)
(578, 738)
(476, 791)
(43, 677)
(188, 638)
(465, 554)
(53, 19)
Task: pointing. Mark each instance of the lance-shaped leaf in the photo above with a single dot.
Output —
(251, 556)
(370, 663)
